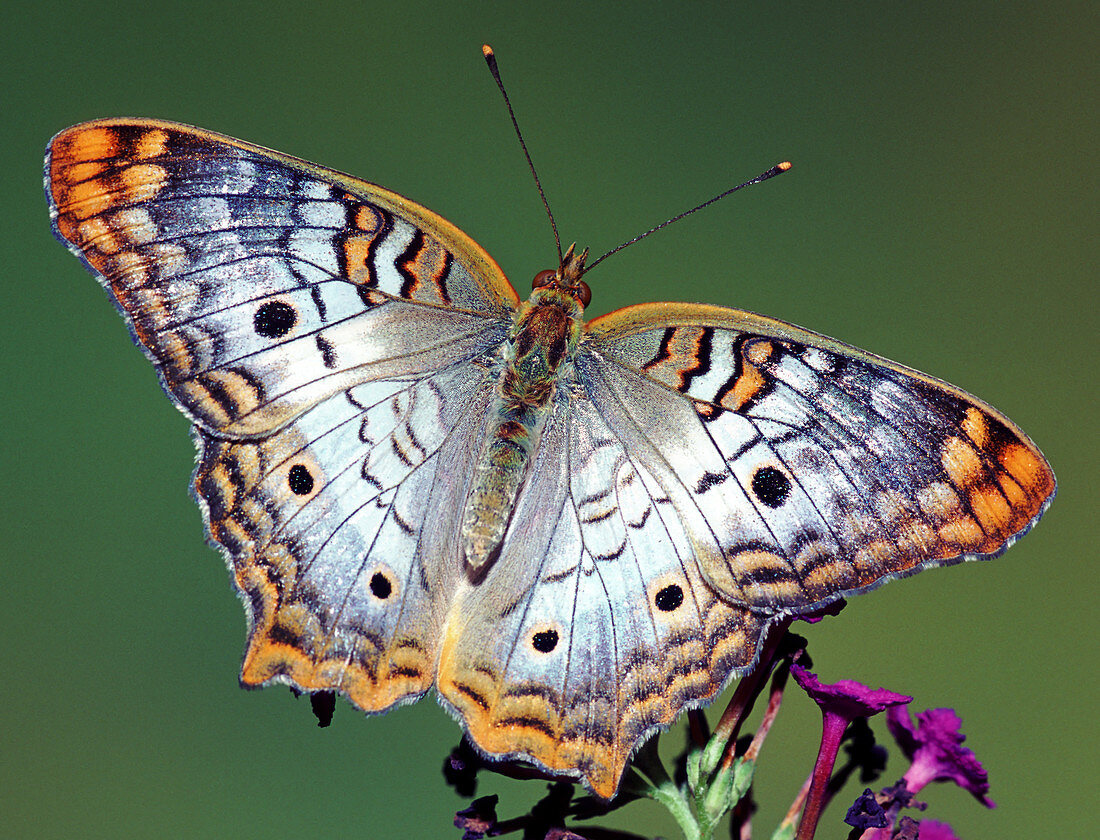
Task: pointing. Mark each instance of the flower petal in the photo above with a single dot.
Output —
(847, 698)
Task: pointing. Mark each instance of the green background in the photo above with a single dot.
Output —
(941, 212)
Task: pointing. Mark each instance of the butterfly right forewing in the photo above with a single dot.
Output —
(805, 469)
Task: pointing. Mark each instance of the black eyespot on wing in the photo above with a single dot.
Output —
(669, 598)
(299, 480)
(545, 641)
(380, 586)
(770, 486)
(275, 319)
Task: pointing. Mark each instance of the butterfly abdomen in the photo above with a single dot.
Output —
(538, 353)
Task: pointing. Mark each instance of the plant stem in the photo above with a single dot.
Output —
(832, 731)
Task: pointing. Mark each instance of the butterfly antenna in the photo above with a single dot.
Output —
(778, 169)
(491, 60)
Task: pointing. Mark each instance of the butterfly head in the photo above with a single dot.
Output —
(567, 279)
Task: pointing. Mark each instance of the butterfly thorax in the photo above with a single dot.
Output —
(537, 357)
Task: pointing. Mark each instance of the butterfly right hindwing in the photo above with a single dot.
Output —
(594, 626)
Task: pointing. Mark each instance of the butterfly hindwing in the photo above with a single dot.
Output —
(594, 626)
(337, 528)
(804, 469)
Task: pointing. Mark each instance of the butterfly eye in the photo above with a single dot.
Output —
(543, 278)
(584, 294)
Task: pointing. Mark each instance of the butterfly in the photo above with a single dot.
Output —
(571, 530)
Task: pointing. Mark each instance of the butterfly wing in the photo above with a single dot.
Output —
(233, 265)
(805, 470)
(338, 527)
(328, 338)
(594, 626)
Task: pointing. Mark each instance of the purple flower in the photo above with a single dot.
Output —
(479, 819)
(932, 830)
(935, 749)
(841, 703)
(556, 833)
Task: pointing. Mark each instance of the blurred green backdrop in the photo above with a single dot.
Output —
(941, 212)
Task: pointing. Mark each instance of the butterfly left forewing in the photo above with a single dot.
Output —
(260, 284)
(806, 469)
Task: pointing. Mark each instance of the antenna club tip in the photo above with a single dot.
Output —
(784, 166)
(491, 60)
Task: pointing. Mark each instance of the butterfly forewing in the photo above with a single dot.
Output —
(258, 283)
(811, 470)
